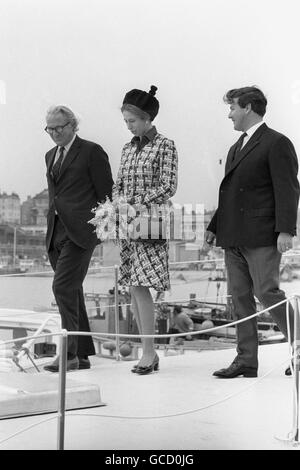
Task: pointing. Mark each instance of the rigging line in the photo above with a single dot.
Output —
(172, 415)
(192, 333)
(187, 412)
(127, 335)
(21, 431)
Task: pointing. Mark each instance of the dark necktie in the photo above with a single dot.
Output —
(241, 140)
(239, 145)
(57, 164)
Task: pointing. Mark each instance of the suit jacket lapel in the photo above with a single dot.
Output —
(248, 147)
(50, 159)
(72, 153)
(230, 157)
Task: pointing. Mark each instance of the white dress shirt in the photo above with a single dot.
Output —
(251, 131)
(67, 148)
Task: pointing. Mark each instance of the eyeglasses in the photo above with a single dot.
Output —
(57, 129)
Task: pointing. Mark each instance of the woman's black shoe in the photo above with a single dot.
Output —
(148, 369)
(288, 371)
(133, 370)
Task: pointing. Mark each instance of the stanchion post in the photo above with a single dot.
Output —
(296, 364)
(62, 390)
(117, 322)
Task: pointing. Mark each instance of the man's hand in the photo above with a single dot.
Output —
(284, 242)
(208, 239)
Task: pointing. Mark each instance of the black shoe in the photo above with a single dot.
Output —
(72, 364)
(148, 369)
(234, 370)
(288, 371)
(84, 363)
(133, 370)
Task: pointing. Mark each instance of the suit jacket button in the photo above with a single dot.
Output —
(241, 189)
(242, 210)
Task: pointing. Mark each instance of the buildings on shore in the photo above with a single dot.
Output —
(33, 211)
(10, 208)
(23, 228)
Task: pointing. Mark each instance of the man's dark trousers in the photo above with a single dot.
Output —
(70, 264)
(255, 271)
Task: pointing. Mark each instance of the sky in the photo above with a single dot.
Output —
(87, 54)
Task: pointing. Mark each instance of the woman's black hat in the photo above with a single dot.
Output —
(143, 100)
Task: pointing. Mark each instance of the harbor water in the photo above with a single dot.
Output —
(35, 292)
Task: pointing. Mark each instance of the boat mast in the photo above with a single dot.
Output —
(15, 246)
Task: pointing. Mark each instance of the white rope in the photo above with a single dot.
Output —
(171, 415)
(28, 274)
(18, 310)
(174, 414)
(26, 338)
(191, 333)
(175, 335)
(195, 410)
(27, 429)
(292, 433)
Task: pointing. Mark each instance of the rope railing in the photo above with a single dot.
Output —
(63, 334)
(27, 345)
(191, 333)
(169, 335)
(19, 311)
(149, 417)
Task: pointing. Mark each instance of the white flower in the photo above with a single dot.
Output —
(111, 219)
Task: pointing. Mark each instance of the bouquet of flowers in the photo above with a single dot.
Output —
(112, 219)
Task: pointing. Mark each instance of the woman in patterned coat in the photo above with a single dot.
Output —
(147, 179)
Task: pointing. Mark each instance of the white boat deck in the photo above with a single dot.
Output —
(181, 407)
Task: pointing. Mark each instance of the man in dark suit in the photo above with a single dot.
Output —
(255, 221)
(79, 176)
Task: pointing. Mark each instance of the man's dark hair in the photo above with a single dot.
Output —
(246, 95)
(177, 309)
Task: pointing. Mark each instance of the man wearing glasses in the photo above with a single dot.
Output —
(79, 176)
